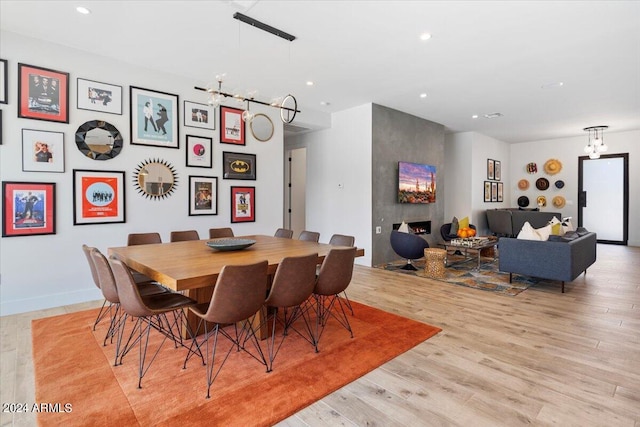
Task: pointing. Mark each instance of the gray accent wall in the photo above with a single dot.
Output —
(398, 136)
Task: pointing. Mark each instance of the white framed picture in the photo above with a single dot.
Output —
(199, 115)
(97, 96)
(42, 151)
(199, 151)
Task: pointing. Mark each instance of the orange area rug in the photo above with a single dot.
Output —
(73, 369)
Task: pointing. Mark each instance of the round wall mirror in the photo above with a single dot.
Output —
(155, 178)
(99, 140)
(261, 127)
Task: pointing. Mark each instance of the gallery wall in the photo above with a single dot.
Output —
(50, 270)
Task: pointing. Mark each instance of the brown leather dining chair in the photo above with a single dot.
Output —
(292, 285)
(343, 240)
(283, 232)
(182, 236)
(216, 233)
(149, 313)
(239, 293)
(105, 309)
(109, 291)
(309, 236)
(143, 239)
(334, 277)
(134, 239)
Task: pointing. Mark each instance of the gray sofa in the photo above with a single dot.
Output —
(508, 222)
(561, 259)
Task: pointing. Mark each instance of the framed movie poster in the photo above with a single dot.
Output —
(238, 166)
(42, 151)
(487, 191)
(96, 96)
(199, 151)
(199, 115)
(43, 94)
(98, 197)
(500, 191)
(497, 172)
(154, 118)
(243, 207)
(494, 191)
(203, 195)
(29, 208)
(231, 126)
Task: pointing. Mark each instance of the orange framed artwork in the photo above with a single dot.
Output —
(98, 197)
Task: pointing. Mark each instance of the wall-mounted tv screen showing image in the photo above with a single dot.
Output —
(416, 183)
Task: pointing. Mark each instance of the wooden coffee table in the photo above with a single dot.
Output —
(471, 249)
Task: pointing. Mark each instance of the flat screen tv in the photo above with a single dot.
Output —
(416, 183)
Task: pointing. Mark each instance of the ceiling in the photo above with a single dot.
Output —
(484, 56)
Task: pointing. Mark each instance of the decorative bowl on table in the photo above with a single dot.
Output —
(230, 243)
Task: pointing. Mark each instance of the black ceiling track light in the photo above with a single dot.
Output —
(268, 28)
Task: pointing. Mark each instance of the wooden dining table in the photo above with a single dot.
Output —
(192, 267)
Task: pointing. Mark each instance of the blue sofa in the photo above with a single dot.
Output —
(561, 259)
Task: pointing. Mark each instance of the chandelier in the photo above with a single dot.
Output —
(596, 144)
(288, 105)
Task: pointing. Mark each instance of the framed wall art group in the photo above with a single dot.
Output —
(493, 191)
(99, 195)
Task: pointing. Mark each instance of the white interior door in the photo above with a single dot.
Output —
(602, 198)
(296, 183)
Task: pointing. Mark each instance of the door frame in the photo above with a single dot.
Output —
(625, 195)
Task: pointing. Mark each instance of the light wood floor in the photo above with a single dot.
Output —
(541, 358)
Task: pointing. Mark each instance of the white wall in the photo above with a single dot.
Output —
(339, 178)
(567, 150)
(46, 271)
(466, 155)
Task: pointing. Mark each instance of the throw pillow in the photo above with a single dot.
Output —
(404, 227)
(544, 232)
(463, 223)
(567, 225)
(556, 227)
(455, 226)
(528, 233)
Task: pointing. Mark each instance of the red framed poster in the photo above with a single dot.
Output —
(243, 204)
(98, 197)
(29, 208)
(231, 126)
(43, 94)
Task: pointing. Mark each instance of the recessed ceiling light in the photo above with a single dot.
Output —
(475, 116)
(423, 95)
(325, 103)
(425, 36)
(309, 83)
(492, 115)
(554, 85)
(83, 10)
